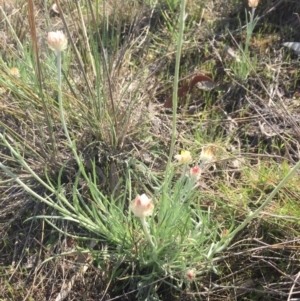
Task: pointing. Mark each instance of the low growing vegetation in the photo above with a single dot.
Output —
(149, 150)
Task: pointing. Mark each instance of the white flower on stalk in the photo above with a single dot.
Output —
(57, 41)
(141, 206)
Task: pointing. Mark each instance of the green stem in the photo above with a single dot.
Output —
(62, 116)
(146, 231)
(175, 91)
(176, 78)
(61, 110)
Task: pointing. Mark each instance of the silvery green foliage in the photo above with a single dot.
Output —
(293, 45)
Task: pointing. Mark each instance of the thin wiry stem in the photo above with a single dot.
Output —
(146, 231)
(175, 89)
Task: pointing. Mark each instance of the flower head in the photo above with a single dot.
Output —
(184, 157)
(206, 155)
(190, 275)
(253, 3)
(57, 41)
(224, 232)
(15, 72)
(195, 172)
(141, 206)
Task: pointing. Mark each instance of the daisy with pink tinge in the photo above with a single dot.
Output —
(195, 172)
(190, 275)
(141, 206)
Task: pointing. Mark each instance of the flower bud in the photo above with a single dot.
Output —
(195, 172)
(206, 155)
(57, 41)
(253, 3)
(190, 275)
(15, 72)
(141, 206)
